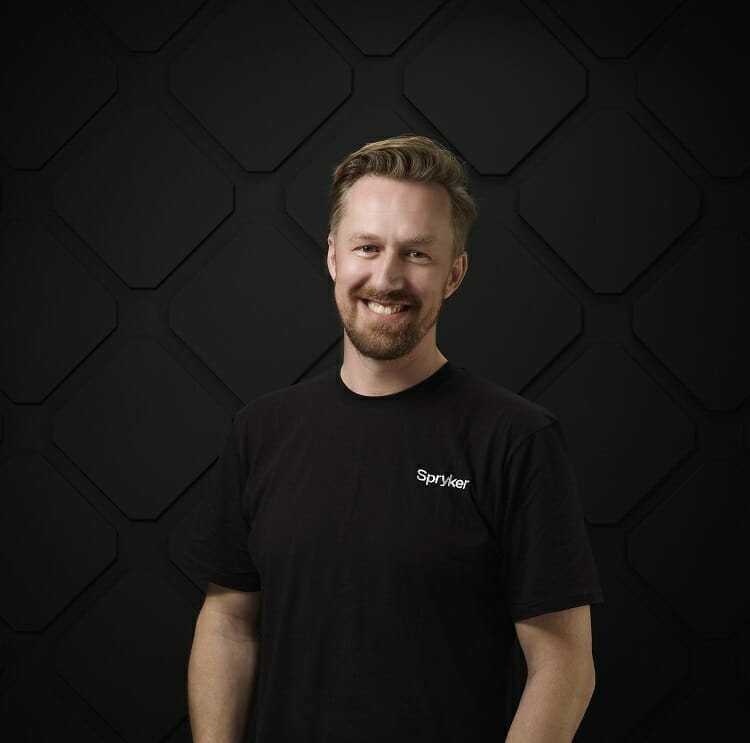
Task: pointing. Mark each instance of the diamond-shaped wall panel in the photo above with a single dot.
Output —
(229, 79)
(696, 319)
(492, 96)
(527, 316)
(697, 85)
(307, 193)
(626, 205)
(257, 290)
(54, 313)
(613, 29)
(389, 22)
(624, 433)
(31, 712)
(52, 543)
(143, 197)
(128, 656)
(55, 78)
(708, 714)
(693, 548)
(142, 429)
(143, 25)
(627, 638)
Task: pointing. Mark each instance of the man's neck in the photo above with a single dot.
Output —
(374, 378)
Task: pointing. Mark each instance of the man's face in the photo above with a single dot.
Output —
(374, 255)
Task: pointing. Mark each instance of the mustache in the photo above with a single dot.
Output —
(389, 300)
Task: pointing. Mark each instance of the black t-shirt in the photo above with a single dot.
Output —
(395, 540)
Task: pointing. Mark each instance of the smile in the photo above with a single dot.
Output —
(385, 310)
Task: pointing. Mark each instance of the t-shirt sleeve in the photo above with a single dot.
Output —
(550, 565)
(218, 546)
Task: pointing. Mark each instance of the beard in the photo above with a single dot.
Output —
(384, 341)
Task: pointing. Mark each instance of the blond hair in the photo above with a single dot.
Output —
(410, 157)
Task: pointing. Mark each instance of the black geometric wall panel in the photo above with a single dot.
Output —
(493, 97)
(144, 25)
(224, 80)
(390, 22)
(52, 542)
(55, 78)
(533, 313)
(54, 312)
(618, 420)
(693, 548)
(142, 429)
(628, 204)
(613, 29)
(258, 289)
(164, 203)
(696, 319)
(630, 643)
(708, 714)
(31, 711)
(697, 85)
(143, 197)
(104, 656)
(307, 191)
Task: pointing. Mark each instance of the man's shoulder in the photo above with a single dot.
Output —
(288, 397)
(489, 398)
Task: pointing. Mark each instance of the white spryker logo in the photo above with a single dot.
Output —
(442, 480)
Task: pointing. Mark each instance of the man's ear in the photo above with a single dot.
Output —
(331, 258)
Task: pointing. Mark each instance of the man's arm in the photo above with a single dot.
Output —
(223, 664)
(560, 676)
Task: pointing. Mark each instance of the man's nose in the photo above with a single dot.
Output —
(388, 271)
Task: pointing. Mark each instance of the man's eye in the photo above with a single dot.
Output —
(418, 253)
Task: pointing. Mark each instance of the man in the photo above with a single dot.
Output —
(400, 517)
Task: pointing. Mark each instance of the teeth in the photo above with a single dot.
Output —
(383, 310)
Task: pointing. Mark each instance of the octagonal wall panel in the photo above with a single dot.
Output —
(527, 315)
(143, 197)
(22, 721)
(41, 516)
(709, 713)
(144, 25)
(142, 429)
(257, 290)
(692, 549)
(697, 85)
(613, 29)
(696, 319)
(223, 79)
(624, 432)
(55, 78)
(609, 201)
(494, 98)
(628, 643)
(127, 657)
(307, 193)
(389, 22)
(54, 312)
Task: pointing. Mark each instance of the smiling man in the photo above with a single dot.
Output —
(383, 531)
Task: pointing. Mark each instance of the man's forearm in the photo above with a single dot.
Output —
(552, 706)
(221, 677)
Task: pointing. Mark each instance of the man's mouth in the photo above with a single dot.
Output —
(386, 309)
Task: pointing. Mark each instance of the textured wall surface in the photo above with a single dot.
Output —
(164, 170)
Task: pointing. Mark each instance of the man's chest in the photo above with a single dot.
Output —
(415, 504)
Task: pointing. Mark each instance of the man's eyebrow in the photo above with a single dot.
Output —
(414, 240)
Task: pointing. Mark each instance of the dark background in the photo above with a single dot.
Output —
(164, 169)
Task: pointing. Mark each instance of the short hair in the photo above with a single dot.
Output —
(415, 158)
